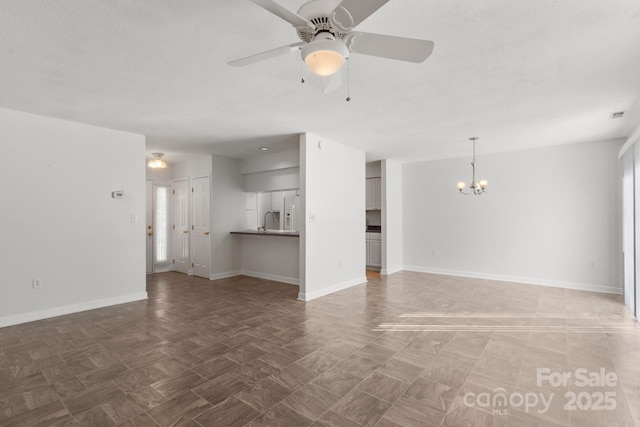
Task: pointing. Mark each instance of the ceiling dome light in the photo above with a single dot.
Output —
(157, 162)
(325, 55)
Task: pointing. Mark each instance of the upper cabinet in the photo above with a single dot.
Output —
(277, 201)
(373, 196)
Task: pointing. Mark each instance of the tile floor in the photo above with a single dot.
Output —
(409, 349)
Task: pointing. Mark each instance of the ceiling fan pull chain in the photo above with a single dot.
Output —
(348, 81)
(302, 74)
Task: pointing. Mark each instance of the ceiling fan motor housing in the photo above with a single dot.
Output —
(325, 50)
(322, 14)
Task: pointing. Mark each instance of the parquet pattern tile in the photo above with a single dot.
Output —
(408, 349)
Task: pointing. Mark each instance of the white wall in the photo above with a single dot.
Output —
(228, 213)
(273, 180)
(270, 257)
(61, 224)
(332, 196)
(192, 167)
(272, 171)
(271, 161)
(392, 231)
(551, 216)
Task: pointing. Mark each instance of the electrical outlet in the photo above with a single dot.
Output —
(36, 283)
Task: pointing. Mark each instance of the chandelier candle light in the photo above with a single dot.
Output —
(477, 187)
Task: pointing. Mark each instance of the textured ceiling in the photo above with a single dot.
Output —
(517, 74)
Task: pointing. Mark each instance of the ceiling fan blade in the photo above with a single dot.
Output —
(356, 12)
(400, 48)
(331, 83)
(265, 55)
(284, 13)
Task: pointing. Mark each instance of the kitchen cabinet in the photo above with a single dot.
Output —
(373, 196)
(374, 249)
(277, 201)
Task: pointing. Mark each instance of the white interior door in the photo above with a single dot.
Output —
(149, 230)
(180, 227)
(200, 227)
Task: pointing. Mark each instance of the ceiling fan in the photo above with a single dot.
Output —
(326, 31)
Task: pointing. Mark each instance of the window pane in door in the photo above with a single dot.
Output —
(162, 240)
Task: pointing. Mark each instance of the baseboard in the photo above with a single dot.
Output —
(224, 275)
(391, 270)
(70, 309)
(256, 274)
(274, 277)
(308, 296)
(517, 279)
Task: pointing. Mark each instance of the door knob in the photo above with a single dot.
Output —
(184, 231)
(206, 233)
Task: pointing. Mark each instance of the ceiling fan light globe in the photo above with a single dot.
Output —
(324, 57)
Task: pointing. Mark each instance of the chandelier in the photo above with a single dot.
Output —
(476, 188)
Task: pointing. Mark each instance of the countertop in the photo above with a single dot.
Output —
(288, 233)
